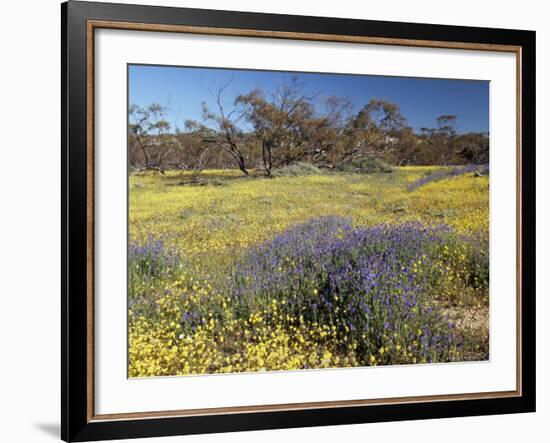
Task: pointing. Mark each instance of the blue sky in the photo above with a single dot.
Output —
(422, 100)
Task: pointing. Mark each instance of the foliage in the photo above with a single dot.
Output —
(306, 271)
(149, 264)
(449, 172)
(281, 123)
(149, 138)
(366, 165)
(366, 285)
(297, 169)
(257, 130)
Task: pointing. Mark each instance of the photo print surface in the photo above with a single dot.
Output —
(297, 221)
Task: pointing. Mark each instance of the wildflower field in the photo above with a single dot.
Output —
(323, 270)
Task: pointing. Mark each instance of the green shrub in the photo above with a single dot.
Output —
(297, 169)
(366, 165)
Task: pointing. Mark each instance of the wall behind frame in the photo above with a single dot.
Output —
(30, 207)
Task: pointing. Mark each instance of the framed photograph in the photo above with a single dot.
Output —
(277, 221)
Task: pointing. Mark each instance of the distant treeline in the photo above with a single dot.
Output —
(289, 126)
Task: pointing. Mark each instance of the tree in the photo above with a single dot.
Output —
(191, 153)
(385, 116)
(279, 123)
(288, 125)
(472, 147)
(439, 142)
(226, 135)
(149, 137)
(447, 124)
(324, 131)
(373, 130)
(405, 149)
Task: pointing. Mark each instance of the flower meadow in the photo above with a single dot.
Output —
(301, 272)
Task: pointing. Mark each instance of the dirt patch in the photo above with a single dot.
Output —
(472, 325)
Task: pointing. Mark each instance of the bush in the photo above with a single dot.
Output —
(148, 263)
(455, 171)
(297, 169)
(371, 286)
(366, 165)
(321, 294)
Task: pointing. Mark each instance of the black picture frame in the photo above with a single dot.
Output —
(76, 423)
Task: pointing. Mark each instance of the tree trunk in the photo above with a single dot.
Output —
(266, 157)
(242, 166)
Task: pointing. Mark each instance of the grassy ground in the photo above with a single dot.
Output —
(234, 212)
(207, 228)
